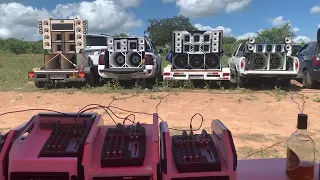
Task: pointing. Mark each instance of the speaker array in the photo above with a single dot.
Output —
(268, 48)
(126, 52)
(197, 49)
(63, 36)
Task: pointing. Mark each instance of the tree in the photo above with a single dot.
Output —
(160, 30)
(229, 40)
(121, 35)
(276, 35)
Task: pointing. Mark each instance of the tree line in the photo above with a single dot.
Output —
(160, 32)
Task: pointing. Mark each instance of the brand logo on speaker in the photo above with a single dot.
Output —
(293, 160)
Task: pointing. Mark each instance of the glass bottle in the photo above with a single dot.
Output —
(300, 152)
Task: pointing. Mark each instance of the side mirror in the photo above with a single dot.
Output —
(160, 51)
(318, 36)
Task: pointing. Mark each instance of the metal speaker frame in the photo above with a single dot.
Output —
(46, 34)
(276, 61)
(182, 59)
(212, 61)
(117, 59)
(134, 59)
(258, 61)
(196, 61)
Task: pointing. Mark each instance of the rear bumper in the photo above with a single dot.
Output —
(270, 74)
(127, 73)
(213, 75)
(68, 76)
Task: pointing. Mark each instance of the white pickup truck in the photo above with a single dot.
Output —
(130, 58)
(263, 60)
(196, 55)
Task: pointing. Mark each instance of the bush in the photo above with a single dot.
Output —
(19, 46)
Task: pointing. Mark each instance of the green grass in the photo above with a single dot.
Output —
(14, 70)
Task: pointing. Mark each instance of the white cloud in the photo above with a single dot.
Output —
(104, 16)
(278, 21)
(226, 31)
(247, 35)
(202, 8)
(300, 39)
(295, 29)
(315, 10)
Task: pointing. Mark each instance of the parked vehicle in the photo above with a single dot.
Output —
(95, 44)
(309, 58)
(263, 60)
(196, 55)
(130, 58)
(65, 40)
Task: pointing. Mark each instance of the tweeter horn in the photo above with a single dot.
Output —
(251, 40)
(250, 47)
(287, 40)
(288, 47)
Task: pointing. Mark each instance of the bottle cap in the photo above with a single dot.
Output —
(302, 121)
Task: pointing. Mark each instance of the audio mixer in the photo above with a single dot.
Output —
(198, 156)
(124, 146)
(195, 153)
(52, 149)
(123, 152)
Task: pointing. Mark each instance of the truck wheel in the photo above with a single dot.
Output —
(90, 78)
(307, 82)
(39, 84)
(240, 81)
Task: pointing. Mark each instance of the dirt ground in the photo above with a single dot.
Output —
(256, 120)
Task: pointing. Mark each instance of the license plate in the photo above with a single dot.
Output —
(124, 77)
(196, 77)
(56, 76)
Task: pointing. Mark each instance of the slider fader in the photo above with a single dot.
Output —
(124, 146)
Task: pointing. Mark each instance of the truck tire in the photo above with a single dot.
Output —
(306, 81)
(240, 81)
(39, 84)
(90, 78)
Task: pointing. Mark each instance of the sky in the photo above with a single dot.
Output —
(238, 18)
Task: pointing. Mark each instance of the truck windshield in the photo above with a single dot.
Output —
(96, 41)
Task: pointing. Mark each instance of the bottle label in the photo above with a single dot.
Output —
(293, 160)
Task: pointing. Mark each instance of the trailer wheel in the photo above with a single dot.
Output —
(39, 84)
(90, 78)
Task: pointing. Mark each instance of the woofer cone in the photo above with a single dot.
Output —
(135, 59)
(212, 61)
(196, 61)
(120, 59)
(180, 61)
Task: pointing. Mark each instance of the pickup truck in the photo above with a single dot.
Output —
(263, 60)
(130, 58)
(196, 55)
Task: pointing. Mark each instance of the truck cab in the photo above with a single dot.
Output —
(95, 45)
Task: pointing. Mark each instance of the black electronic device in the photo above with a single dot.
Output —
(65, 139)
(195, 153)
(124, 146)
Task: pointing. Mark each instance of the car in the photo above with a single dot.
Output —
(96, 44)
(309, 58)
